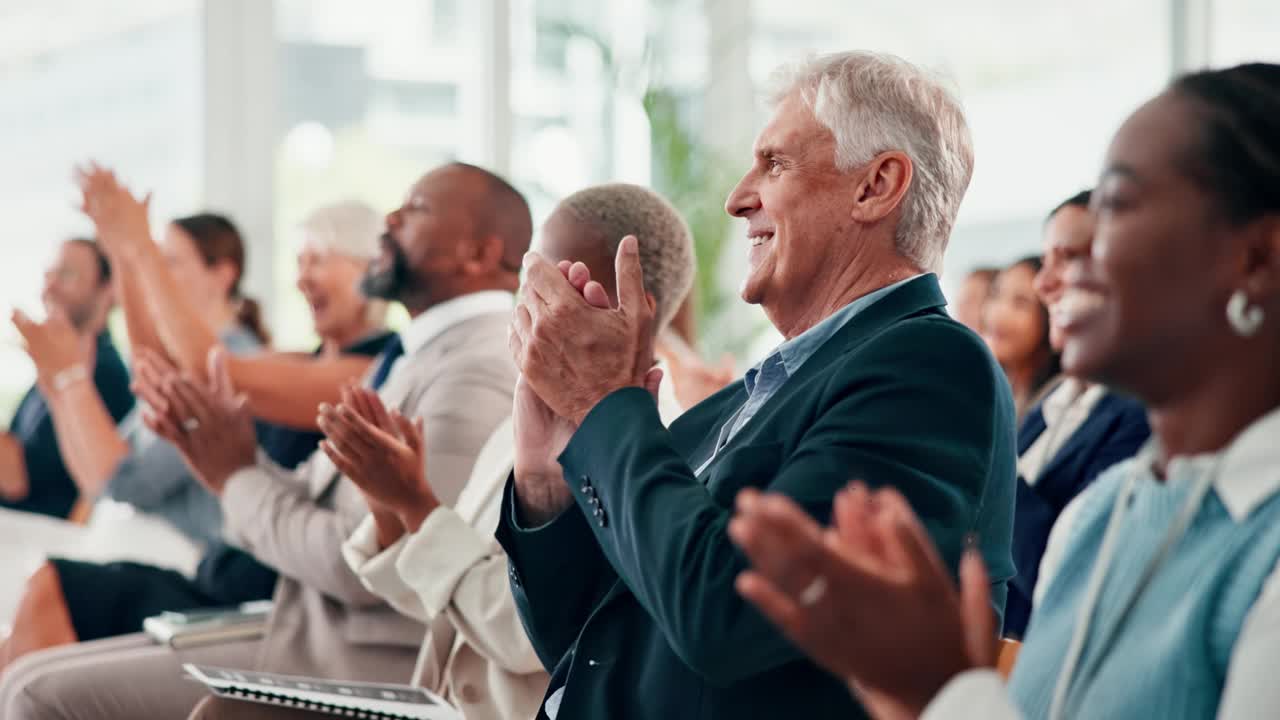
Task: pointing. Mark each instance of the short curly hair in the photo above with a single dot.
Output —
(616, 210)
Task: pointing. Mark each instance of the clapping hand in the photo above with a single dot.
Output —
(384, 454)
(868, 599)
(53, 345)
(210, 424)
(572, 351)
(120, 219)
(540, 434)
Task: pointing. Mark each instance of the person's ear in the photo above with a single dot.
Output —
(1261, 265)
(884, 182)
(485, 256)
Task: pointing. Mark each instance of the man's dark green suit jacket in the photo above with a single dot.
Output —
(629, 597)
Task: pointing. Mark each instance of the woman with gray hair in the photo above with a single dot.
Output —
(338, 243)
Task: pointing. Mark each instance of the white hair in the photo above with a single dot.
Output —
(616, 210)
(352, 229)
(875, 103)
(348, 228)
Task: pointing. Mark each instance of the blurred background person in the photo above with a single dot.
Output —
(77, 295)
(1015, 325)
(972, 296)
(339, 242)
(451, 257)
(1078, 431)
(69, 600)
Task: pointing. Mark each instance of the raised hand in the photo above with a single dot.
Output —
(869, 600)
(120, 219)
(54, 346)
(210, 424)
(541, 434)
(384, 454)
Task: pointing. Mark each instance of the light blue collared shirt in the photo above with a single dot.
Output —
(765, 379)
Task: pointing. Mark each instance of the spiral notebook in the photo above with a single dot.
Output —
(344, 699)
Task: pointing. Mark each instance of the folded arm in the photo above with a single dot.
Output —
(283, 526)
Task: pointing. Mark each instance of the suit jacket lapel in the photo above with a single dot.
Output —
(918, 296)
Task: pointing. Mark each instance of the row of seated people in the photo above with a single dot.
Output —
(462, 307)
(637, 570)
(75, 450)
(1070, 429)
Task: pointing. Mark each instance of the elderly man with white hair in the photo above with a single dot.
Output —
(620, 560)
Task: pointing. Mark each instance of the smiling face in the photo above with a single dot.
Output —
(74, 284)
(972, 297)
(1066, 235)
(1014, 322)
(797, 206)
(1161, 268)
(428, 241)
(330, 282)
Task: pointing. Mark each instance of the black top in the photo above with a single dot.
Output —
(53, 492)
